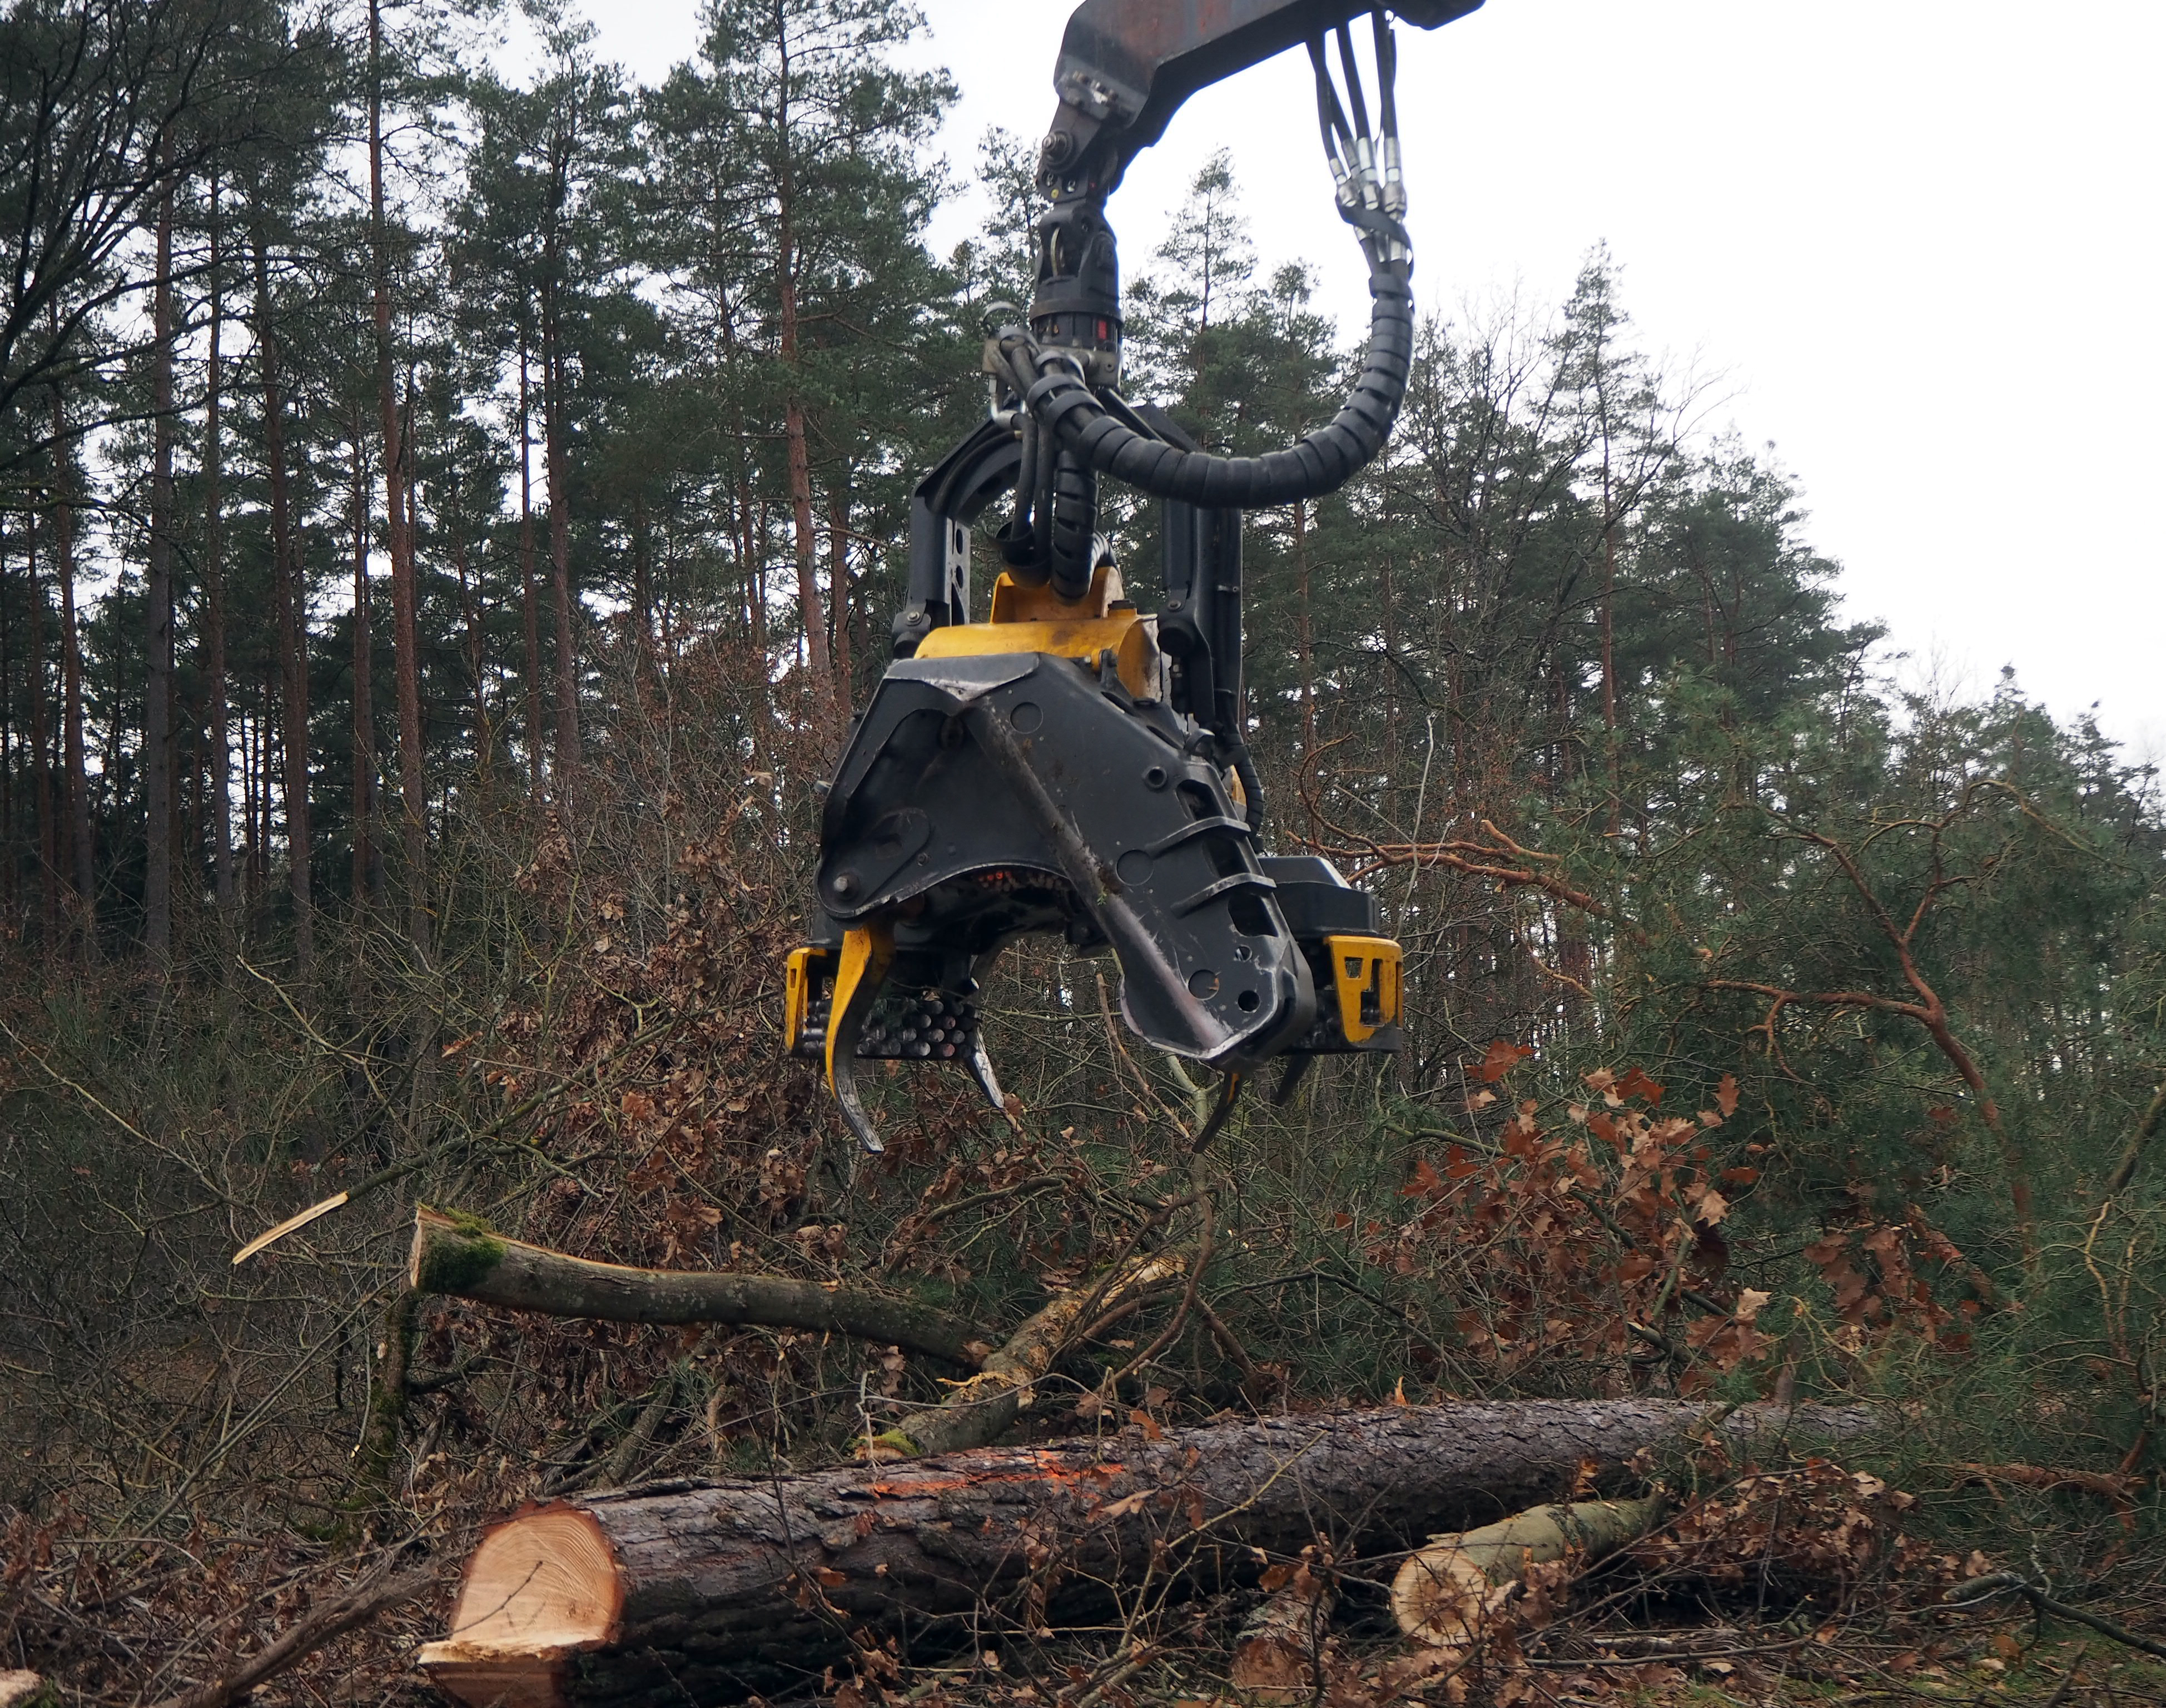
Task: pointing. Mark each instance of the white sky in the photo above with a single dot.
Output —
(1919, 241)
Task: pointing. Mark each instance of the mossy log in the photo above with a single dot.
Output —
(460, 1257)
(976, 1413)
(710, 1591)
(1443, 1592)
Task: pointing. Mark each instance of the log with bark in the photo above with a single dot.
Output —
(461, 1256)
(708, 1591)
(1443, 1592)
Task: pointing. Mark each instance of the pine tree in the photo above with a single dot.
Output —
(795, 147)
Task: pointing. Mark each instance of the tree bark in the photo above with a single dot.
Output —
(1305, 642)
(642, 593)
(9, 866)
(797, 457)
(460, 1258)
(158, 614)
(708, 1591)
(367, 866)
(213, 470)
(553, 389)
(412, 793)
(470, 607)
(287, 596)
(838, 590)
(530, 611)
(41, 772)
(76, 761)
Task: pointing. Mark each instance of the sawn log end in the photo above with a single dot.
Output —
(543, 1586)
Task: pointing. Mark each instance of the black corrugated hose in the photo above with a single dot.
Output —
(1372, 199)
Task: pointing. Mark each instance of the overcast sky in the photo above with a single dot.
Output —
(1918, 244)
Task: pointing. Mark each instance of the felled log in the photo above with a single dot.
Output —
(718, 1590)
(1443, 1592)
(977, 1413)
(18, 1689)
(463, 1257)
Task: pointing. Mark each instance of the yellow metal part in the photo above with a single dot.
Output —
(797, 984)
(867, 952)
(1366, 971)
(1013, 602)
(1036, 620)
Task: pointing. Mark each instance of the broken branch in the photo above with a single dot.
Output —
(463, 1257)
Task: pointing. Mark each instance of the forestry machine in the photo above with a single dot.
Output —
(1069, 764)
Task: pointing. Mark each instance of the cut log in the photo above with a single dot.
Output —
(463, 1257)
(19, 1689)
(714, 1590)
(976, 1413)
(1443, 1593)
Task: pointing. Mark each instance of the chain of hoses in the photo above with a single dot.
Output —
(1372, 199)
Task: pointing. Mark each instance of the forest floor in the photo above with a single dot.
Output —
(1627, 1633)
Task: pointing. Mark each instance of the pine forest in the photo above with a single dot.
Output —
(448, 522)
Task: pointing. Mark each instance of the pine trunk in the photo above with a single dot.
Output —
(74, 759)
(799, 456)
(642, 591)
(10, 864)
(158, 616)
(553, 387)
(41, 772)
(470, 608)
(286, 597)
(838, 592)
(214, 611)
(1305, 643)
(529, 607)
(706, 1592)
(406, 641)
(367, 868)
(477, 654)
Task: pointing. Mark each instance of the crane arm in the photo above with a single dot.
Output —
(1126, 66)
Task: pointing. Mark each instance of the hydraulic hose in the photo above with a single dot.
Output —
(1077, 427)
(1056, 393)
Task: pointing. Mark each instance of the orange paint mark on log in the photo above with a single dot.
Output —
(1047, 1469)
